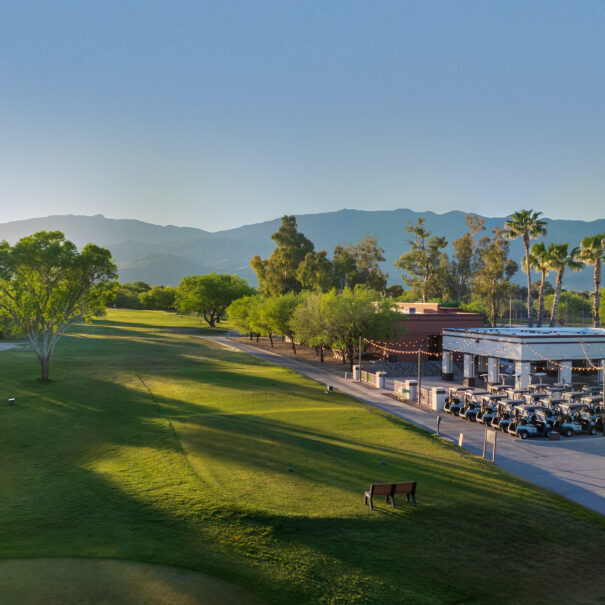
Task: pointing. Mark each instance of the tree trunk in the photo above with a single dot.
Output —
(494, 311)
(351, 356)
(541, 299)
(321, 353)
(271, 339)
(257, 336)
(45, 368)
(251, 334)
(530, 309)
(556, 298)
(596, 321)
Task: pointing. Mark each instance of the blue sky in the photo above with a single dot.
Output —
(216, 114)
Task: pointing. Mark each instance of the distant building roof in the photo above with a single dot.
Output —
(422, 308)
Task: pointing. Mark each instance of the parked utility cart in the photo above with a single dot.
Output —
(525, 423)
(504, 416)
(576, 420)
(454, 400)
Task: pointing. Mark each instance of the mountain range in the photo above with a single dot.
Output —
(165, 254)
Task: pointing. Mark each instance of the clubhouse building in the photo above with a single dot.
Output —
(525, 354)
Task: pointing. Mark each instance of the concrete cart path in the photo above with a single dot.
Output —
(573, 467)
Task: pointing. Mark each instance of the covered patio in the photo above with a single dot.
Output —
(529, 355)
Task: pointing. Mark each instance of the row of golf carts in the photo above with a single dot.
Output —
(545, 409)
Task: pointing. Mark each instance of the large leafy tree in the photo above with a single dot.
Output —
(278, 313)
(277, 274)
(359, 264)
(353, 314)
(421, 265)
(46, 284)
(159, 298)
(491, 281)
(465, 258)
(309, 323)
(560, 258)
(592, 253)
(316, 272)
(209, 295)
(527, 225)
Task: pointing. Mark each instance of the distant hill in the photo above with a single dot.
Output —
(165, 254)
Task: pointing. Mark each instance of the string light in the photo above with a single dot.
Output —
(386, 349)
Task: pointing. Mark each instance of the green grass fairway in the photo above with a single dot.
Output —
(111, 582)
(152, 445)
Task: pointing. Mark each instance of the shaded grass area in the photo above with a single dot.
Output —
(153, 445)
(111, 582)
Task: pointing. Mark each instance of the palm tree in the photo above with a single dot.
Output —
(540, 261)
(592, 253)
(561, 258)
(528, 225)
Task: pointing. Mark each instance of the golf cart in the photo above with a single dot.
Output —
(454, 400)
(489, 408)
(525, 423)
(533, 398)
(472, 405)
(504, 415)
(576, 419)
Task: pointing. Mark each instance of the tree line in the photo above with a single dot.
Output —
(46, 284)
(336, 320)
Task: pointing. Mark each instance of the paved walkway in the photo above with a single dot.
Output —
(573, 467)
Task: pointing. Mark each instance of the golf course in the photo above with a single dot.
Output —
(158, 467)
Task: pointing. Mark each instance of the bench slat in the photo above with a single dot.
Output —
(389, 490)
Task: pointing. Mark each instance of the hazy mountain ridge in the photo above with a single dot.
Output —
(165, 254)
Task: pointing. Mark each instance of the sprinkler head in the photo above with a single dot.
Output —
(11, 401)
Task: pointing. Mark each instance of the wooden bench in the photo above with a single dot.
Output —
(388, 490)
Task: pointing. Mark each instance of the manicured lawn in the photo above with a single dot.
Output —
(153, 445)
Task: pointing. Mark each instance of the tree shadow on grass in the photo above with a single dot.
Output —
(91, 467)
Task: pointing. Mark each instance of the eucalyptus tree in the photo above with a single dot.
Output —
(491, 280)
(527, 225)
(422, 263)
(464, 260)
(316, 272)
(277, 274)
(359, 264)
(592, 253)
(561, 258)
(46, 285)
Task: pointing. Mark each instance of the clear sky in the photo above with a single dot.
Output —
(216, 114)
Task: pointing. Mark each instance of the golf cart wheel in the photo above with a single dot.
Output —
(567, 432)
(523, 434)
(593, 431)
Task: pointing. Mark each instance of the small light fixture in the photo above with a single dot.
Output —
(11, 401)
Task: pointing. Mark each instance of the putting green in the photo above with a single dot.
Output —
(109, 581)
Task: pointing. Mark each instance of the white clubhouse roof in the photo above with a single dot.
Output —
(519, 332)
(528, 344)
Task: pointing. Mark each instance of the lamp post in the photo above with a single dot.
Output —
(360, 359)
(419, 376)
